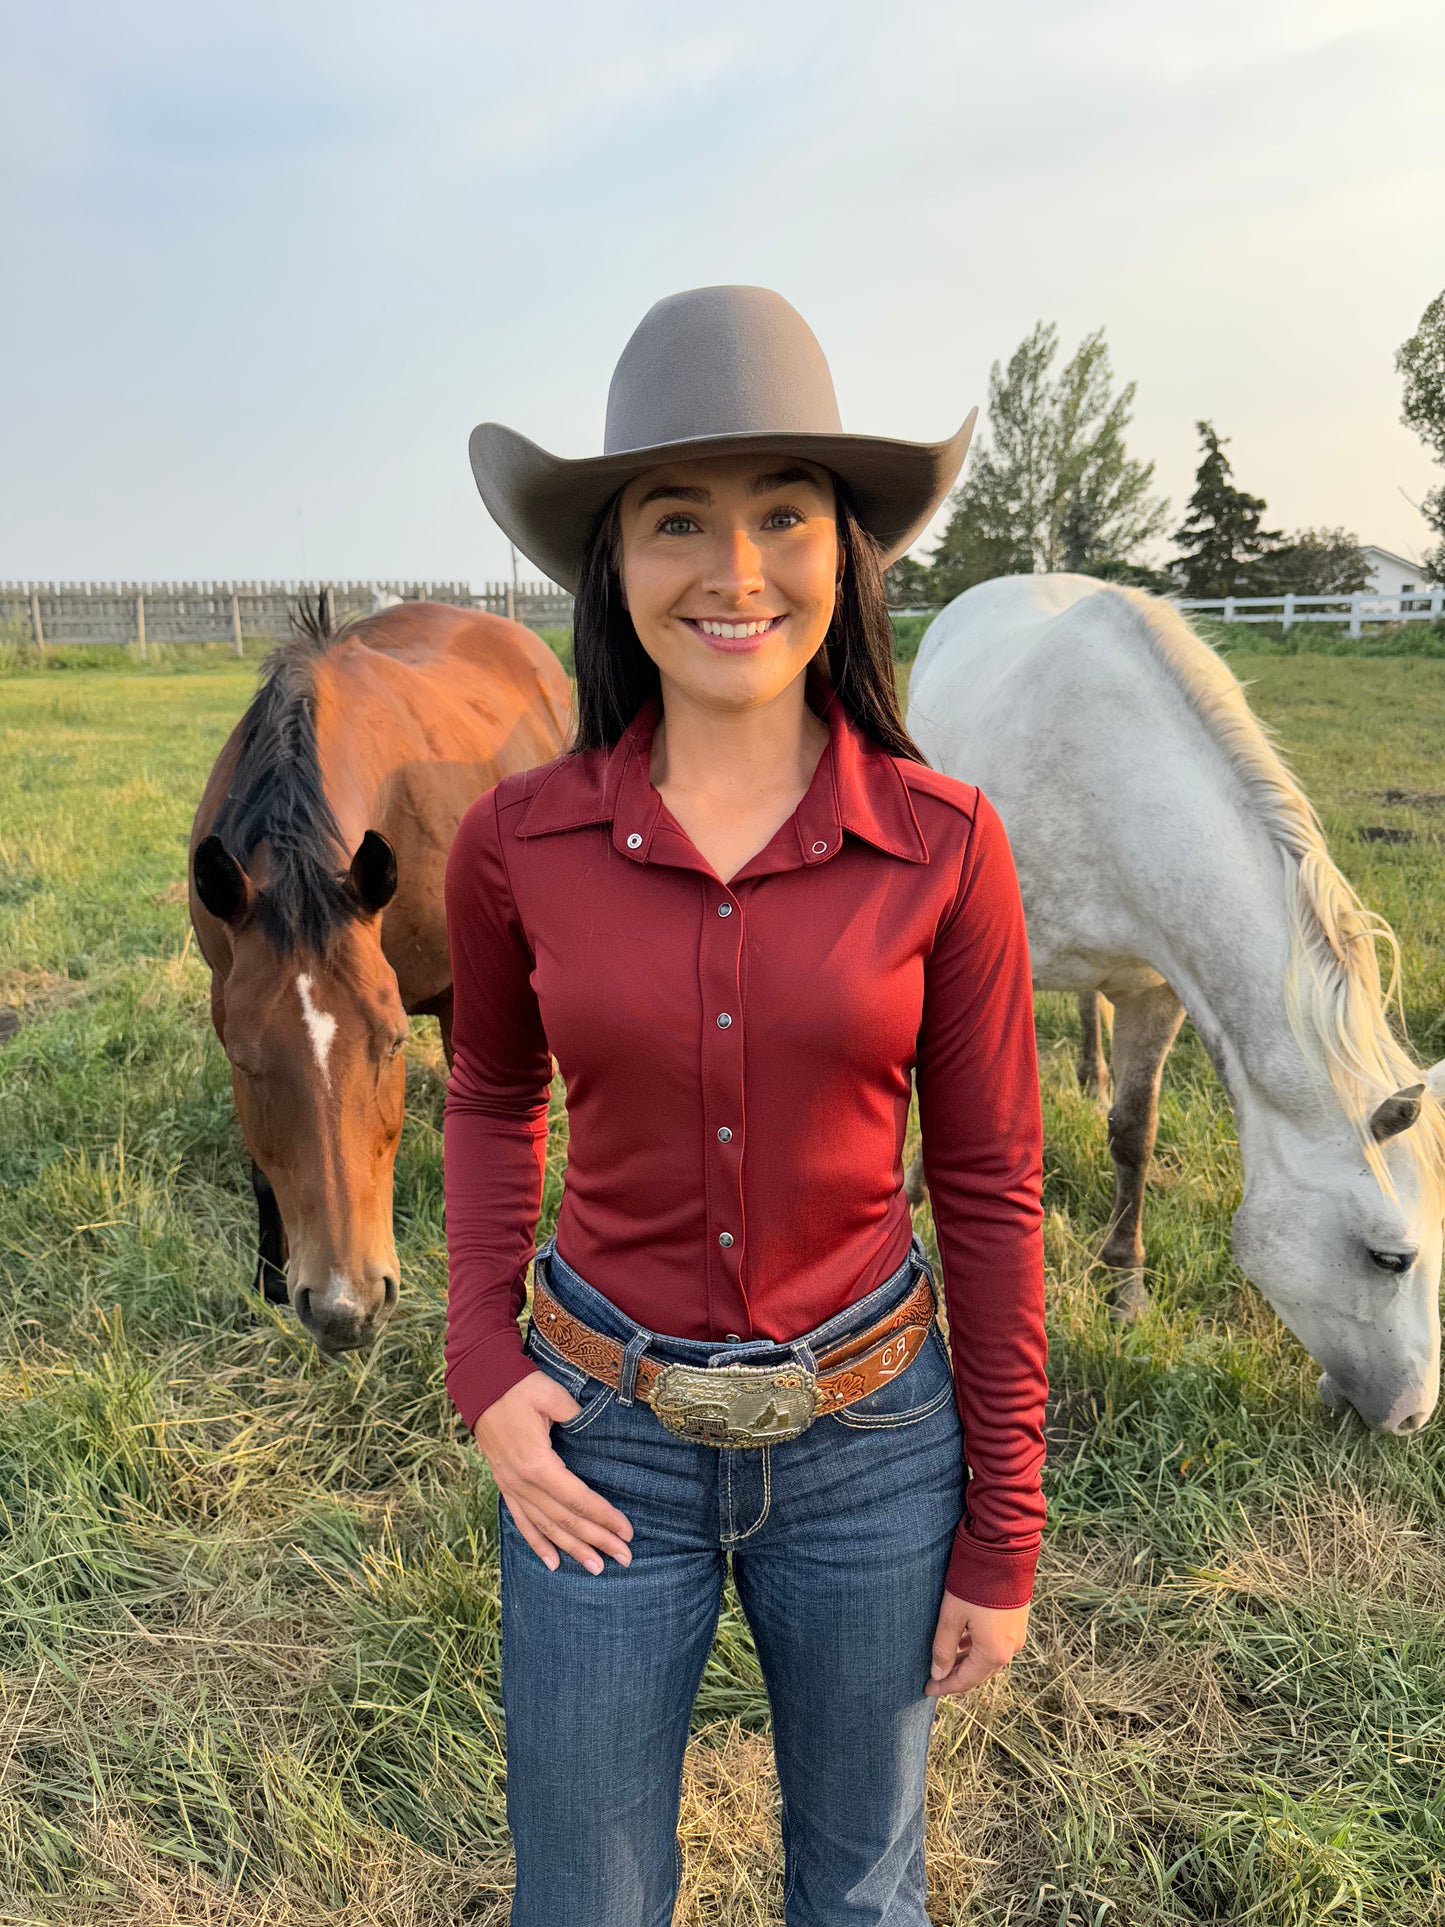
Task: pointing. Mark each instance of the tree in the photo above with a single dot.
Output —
(1314, 562)
(1055, 488)
(908, 584)
(1421, 360)
(1220, 537)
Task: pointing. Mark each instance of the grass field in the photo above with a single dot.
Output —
(248, 1600)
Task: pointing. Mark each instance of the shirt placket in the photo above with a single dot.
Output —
(720, 951)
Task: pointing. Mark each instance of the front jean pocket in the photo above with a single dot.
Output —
(923, 1385)
(592, 1394)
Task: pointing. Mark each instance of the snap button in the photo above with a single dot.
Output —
(723, 1020)
(634, 841)
(734, 1338)
(724, 1134)
(818, 848)
(724, 909)
(725, 1237)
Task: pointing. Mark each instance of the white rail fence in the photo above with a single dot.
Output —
(1358, 609)
(140, 613)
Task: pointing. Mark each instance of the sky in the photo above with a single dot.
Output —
(267, 265)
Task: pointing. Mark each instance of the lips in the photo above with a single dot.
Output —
(732, 635)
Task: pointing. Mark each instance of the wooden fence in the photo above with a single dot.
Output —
(139, 613)
(1365, 606)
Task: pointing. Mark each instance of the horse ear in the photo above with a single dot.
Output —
(1397, 1113)
(221, 883)
(372, 876)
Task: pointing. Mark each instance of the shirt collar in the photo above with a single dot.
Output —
(857, 787)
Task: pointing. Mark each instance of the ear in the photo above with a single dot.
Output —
(1397, 1113)
(221, 883)
(372, 876)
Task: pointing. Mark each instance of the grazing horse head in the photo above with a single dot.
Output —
(308, 1009)
(314, 1031)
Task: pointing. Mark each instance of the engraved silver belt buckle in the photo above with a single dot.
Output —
(735, 1405)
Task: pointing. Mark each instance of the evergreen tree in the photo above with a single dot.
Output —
(1421, 360)
(1055, 488)
(1220, 538)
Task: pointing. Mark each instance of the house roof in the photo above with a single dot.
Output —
(1388, 555)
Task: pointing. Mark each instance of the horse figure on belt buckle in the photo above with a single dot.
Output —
(735, 1405)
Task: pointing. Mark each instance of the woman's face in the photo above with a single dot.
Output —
(730, 570)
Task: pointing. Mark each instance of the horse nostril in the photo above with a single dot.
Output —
(1412, 1422)
(391, 1290)
(303, 1305)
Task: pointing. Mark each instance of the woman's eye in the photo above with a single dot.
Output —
(792, 516)
(669, 525)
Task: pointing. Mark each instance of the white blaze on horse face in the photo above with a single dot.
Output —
(320, 1026)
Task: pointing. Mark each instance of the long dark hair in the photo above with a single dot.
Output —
(615, 674)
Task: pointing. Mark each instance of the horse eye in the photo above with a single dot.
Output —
(1396, 1261)
(396, 1046)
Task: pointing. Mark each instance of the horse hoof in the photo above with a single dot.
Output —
(1128, 1300)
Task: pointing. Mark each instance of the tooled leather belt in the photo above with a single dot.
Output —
(746, 1405)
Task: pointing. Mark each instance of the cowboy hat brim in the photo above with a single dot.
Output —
(548, 505)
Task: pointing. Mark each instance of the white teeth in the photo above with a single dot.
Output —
(734, 631)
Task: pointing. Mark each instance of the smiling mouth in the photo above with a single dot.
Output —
(717, 631)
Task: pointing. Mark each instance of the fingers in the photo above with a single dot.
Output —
(565, 1514)
(973, 1668)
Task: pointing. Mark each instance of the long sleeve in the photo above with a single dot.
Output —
(980, 1114)
(494, 1140)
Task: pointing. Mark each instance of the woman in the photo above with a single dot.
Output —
(742, 912)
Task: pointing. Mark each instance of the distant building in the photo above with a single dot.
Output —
(1391, 574)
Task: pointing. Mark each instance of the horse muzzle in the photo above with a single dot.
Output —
(1407, 1412)
(346, 1314)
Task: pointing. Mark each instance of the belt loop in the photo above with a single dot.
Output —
(627, 1372)
(805, 1355)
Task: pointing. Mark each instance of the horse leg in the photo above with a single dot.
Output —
(271, 1264)
(1093, 1068)
(1145, 1025)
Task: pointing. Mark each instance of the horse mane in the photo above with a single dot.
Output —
(277, 795)
(1333, 995)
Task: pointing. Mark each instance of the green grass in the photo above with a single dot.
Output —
(248, 1599)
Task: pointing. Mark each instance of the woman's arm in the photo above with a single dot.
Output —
(495, 1127)
(979, 1110)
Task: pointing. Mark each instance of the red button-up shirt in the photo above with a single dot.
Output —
(737, 1060)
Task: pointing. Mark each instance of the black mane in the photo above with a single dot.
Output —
(277, 796)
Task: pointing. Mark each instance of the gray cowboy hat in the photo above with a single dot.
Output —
(711, 371)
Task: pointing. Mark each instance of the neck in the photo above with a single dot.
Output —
(1221, 939)
(768, 748)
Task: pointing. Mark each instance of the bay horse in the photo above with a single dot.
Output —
(1171, 863)
(316, 864)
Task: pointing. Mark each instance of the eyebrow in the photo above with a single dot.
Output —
(761, 485)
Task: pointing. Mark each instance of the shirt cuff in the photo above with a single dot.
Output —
(993, 1576)
(479, 1379)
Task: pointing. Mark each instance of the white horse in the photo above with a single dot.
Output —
(1170, 862)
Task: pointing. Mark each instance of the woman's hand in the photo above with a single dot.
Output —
(971, 1642)
(553, 1508)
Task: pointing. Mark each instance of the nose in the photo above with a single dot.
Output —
(736, 566)
(1407, 1412)
(347, 1313)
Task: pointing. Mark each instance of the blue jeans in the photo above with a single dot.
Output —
(840, 1541)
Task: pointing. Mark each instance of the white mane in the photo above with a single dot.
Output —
(1333, 994)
